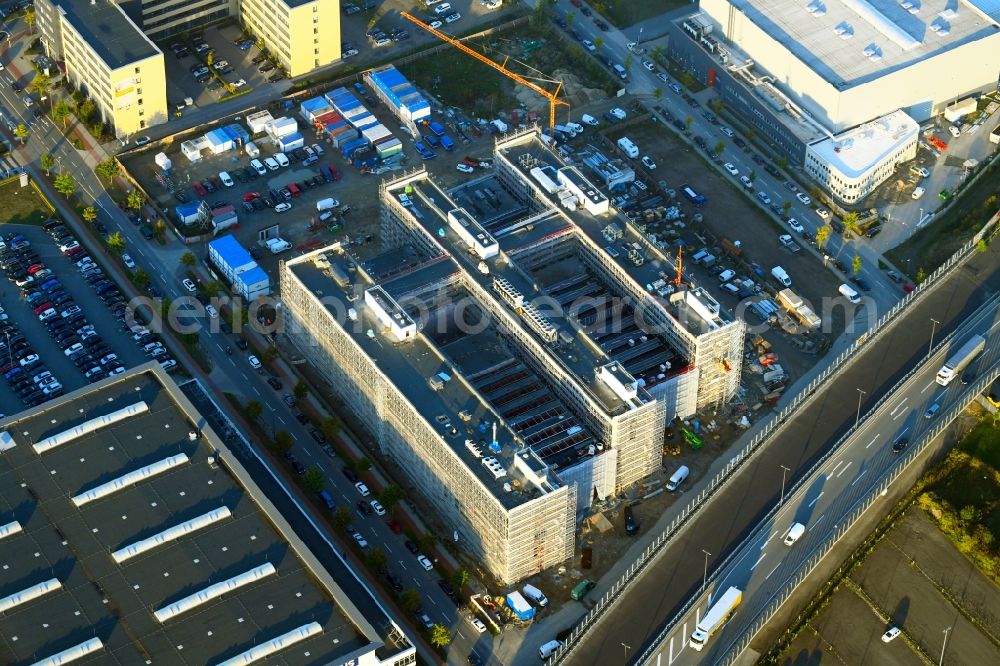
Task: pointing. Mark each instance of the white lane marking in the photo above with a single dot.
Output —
(816, 522)
(893, 412)
(872, 442)
(995, 325)
(845, 469)
(670, 653)
(402, 565)
(816, 499)
(258, 393)
(772, 570)
(431, 599)
(306, 451)
(858, 478)
(416, 582)
(835, 468)
(386, 546)
(758, 561)
(282, 420)
(900, 436)
(927, 387)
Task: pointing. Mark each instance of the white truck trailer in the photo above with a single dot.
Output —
(715, 617)
(957, 362)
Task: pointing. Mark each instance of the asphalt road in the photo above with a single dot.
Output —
(676, 575)
(764, 564)
(230, 372)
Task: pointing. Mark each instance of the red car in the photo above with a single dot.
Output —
(42, 308)
(250, 196)
(394, 525)
(73, 251)
(34, 268)
(201, 191)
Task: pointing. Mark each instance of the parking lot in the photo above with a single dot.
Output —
(63, 321)
(231, 65)
(922, 584)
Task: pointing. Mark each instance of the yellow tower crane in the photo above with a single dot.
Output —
(553, 97)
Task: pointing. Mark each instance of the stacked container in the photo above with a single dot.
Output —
(399, 95)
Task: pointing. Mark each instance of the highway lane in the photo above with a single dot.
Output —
(638, 617)
(230, 371)
(764, 564)
(643, 83)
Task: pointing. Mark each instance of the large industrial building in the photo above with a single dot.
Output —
(806, 72)
(109, 58)
(509, 360)
(130, 534)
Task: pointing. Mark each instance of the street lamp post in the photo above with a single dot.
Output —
(944, 645)
(861, 394)
(784, 471)
(704, 579)
(627, 648)
(934, 323)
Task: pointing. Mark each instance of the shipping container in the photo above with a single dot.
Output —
(291, 142)
(349, 148)
(313, 108)
(343, 136)
(229, 257)
(398, 94)
(389, 147)
(252, 283)
(280, 127)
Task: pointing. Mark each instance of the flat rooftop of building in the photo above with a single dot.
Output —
(849, 42)
(855, 151)
(431, 204)
(453, 409)
(109, 31)
(653, 269)
(115, 602)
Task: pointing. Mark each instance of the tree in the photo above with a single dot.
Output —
(786, 206)
(410, 600)
(440, 636)
(342, 517)
(212, 288)
(569, 19)
(313, 480)
(40, 85)
(141, 278)
(21, 132)
(89, 214)
(301, 390)
(822, 236)
(427, 541)
(330, 427)
(752, 175)
(47, 162)
(61, 114)
(540, 15)
(390, 496)
(658, 93)
(362, 464)
(921, 275)
(188, 259)
(460, 578)
(377, 559)
(85, 109)
(688, 120)
(29, 20)
(598, 42)
(970, 513)
(719, 147)
(656, 53)
(116, 242)
(253, 409)
(851, 225)
(108, 169)
(136, 200)
(270, 354)
(283, 441)
(627, 64)
(856, 264)
(65, 185)
(981, 246)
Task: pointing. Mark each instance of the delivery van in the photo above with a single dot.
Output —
(677, 478)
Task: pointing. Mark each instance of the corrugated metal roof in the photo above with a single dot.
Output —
(231, 252)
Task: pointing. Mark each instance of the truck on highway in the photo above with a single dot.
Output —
(715, 617)
(957, 362)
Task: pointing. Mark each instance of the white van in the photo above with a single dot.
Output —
(251, 149)
(576, 127)
(226, 179)
(677, 478)
(779, 274)
(281, 159)
(546, 650)
(326, 204)
(500, 125)
(849, 293)
(794, 533)
(533, 593)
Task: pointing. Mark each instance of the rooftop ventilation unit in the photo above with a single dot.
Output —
(495, 467)
(816, 8)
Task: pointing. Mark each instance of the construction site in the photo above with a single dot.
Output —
(501, 355)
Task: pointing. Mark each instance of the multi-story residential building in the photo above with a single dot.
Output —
(109, 58)
(302, 34)
(162, 18)
(160, 547)
(502, 357)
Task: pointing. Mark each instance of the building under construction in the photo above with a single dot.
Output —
(513, 367)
